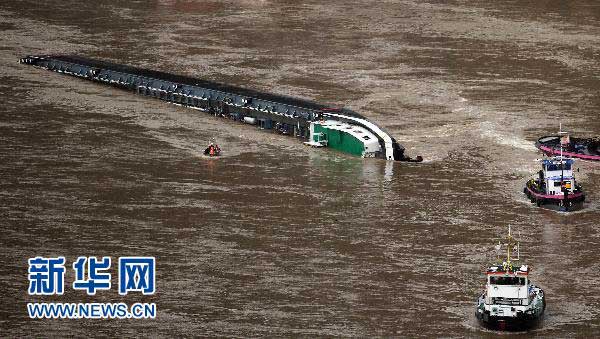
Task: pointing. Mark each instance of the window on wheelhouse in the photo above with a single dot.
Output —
(557, 167)
(507, 281)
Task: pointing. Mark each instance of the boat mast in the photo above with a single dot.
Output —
(562, 171)
(560, 132)
(511, 244)
(508, 247)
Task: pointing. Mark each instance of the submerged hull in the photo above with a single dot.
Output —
(582, 148)
(562, 203)
(284, 114)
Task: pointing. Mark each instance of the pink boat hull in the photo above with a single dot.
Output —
(556, 202)
(553, 151)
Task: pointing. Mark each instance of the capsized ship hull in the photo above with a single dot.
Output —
(284, 114)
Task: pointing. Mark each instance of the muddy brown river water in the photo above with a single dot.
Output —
(276, 239)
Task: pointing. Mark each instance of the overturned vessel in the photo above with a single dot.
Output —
(287, 115)
(510, 301)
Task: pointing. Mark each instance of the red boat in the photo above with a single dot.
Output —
(212, 150)
(582, 148)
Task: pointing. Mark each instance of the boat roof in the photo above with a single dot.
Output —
(502, 269)
(557, 160)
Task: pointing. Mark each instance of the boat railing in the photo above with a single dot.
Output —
(506, 301)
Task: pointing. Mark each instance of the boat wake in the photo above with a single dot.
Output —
(490, 130)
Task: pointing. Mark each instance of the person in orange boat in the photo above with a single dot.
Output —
(212, 150)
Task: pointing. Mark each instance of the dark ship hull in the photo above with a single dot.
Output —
(582, 148)
(286, 115)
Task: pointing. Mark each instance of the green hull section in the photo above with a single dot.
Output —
(341, 140)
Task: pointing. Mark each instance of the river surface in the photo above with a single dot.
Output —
(274, 238)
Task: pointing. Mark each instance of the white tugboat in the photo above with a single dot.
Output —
(510, 301)
(555, 187)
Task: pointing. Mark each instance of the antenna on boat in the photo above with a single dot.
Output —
(512, 244)
(509, 245)
(560, 135)
(518, 248)
(498, 248)
(562, 140)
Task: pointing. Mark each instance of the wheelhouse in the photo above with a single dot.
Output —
(558, 175)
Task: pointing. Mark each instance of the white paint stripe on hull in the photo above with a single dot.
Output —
(387, 139)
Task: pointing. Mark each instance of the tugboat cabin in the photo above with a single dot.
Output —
(558, 175)
(508, 286)
(556, 187)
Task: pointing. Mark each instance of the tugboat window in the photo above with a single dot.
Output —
(507, 281)
(557, 167)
